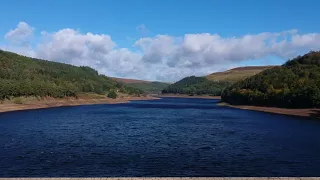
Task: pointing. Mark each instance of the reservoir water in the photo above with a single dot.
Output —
(166, 137)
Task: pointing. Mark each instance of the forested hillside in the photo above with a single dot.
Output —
(296, 84)
(150, 87)
(196, 86)
(129, 81)
(24, 76)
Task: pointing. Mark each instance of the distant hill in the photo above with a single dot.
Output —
(152, 87)
(25, 76)
(214, 83)
(295, 84)
(236, 74)
(130, 81)
(196, 86)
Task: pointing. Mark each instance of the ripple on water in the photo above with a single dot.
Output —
(167, 137)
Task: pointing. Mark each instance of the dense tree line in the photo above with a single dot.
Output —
(196, 86)
(149, 87)
(296, 84)
(24, 76)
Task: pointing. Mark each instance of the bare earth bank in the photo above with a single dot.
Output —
(51, 102)
(314, 113)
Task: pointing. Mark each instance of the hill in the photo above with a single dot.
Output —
(130, 81)
(237, 74)
(196, 86)
(214, 83)
(25, 76)
(295, 84)
(152, 87)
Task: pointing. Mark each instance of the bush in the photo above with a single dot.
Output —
(112, 95)
(38, 98)
(18, 100)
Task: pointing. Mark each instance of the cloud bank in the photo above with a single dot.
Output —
(162, 57)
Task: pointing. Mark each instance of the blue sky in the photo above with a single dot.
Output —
(128, 21)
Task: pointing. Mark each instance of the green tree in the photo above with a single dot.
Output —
(112, 94)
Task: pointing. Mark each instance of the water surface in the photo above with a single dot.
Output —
(167, 137)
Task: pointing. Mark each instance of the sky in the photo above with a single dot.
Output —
(160, 40)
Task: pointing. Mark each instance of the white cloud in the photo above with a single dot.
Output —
(21, 34)
(70, 46)
(162, 57)
(122, 62)
(157, 48)
(203, 50)
(19, 40)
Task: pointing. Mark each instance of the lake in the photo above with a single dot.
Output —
(166, 137)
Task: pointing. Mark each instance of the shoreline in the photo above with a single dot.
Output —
(50, 103)
(306, 113)
(309, 113)
(187, 96)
